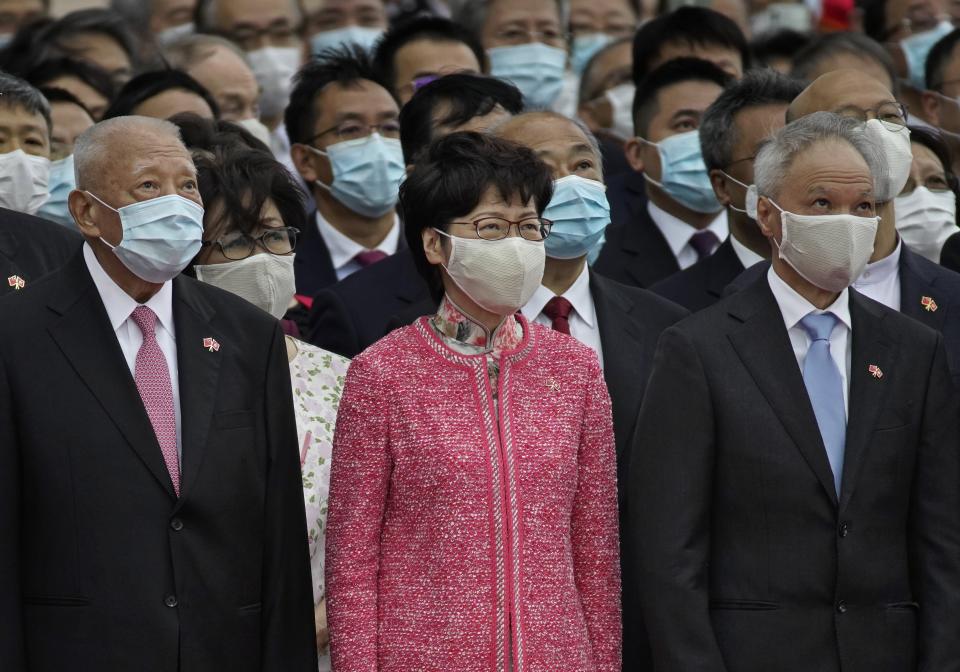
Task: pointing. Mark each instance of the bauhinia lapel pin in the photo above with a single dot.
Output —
(928, 303)
(211, 344)
(16, 282)
(875, 371)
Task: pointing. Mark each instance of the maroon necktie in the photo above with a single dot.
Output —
(370, 257)
(703, 243)
(558, 310)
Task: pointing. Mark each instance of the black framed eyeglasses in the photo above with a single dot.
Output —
(238, 245)
(354, 130)
(893, 115)
(496, 228)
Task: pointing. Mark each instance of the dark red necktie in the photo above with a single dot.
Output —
(703, 243)
(370, 257)
(558, 309)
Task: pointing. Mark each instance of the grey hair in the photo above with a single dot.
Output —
(16, 92)
(137, 14)
(718, 133)
(191, 50)
(591, 138)
(807, 61)
(92, 149)
(472, 14)
(206, 14)
(778, 152)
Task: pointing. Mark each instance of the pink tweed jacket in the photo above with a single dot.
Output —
(459, 532)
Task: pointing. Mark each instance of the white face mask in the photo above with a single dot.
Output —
(925, 219)
(274, 68)
(621, 100)
(256, 128)
(829, 251)
(265, 280)
(897, 158)
(498, 275)
(170, 35)
(24, 181)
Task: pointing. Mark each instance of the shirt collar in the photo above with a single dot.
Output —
(794, 307)
(881, 270)
(455, 325)
(343, 249)
(119, 304)
(578, 295)
(678, 232)
(746, 256)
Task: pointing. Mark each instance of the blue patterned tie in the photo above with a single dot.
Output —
(825, 387)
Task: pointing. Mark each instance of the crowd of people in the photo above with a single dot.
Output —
(501, 335)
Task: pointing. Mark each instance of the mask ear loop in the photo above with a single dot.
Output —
(113, 248)
(746, 187)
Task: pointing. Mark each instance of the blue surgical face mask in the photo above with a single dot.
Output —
(366, 173)
(160, 236)
(365, 37)
(580, 215)
(62, 182)
(585, 47)
(534, 68)
(683, 174)
(917, 47)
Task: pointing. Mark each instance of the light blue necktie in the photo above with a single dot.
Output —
(825, 387)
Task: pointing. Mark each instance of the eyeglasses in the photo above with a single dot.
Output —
(935, 183)
(239, 245)
(354, 130)
(281, 35)
(514, 36)
(892, 115)
(497, 228)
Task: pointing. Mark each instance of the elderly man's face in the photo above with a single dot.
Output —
(829, 178)
(611, 68)
(321, 16)
(170, 13)
(751, 126)
(255, 24)
(848, 93)
(557, 142)
(429, 57)
(868, 66)
(69, 121)
(616, 18)
(510, 23)
(231, 83)
(20, 129)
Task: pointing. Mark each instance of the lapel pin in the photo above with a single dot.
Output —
(553, 385)
(211, 344)
(875, 371)
(928, 303)
(16, 282)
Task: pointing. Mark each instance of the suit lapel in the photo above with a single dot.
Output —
(723, 266)
(199, 371)
(871, 348)
(312, 263)
(88, 342)
(764, 348)
(654, 259)
(917, 289)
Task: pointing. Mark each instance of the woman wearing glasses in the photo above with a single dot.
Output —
(254, 212)
(473, 506)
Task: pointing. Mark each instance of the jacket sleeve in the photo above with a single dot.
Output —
(670, 491)
(11, 634)
(359, 477)
(595, 529)
(935, 522)
(288, 631)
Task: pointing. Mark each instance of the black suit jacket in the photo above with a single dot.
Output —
(30, 248)
(747, 560)
(950, 254)
(635, 252)
(351, 315)
(102, 567)
(702, 284)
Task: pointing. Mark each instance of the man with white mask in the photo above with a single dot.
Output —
(334, 23)
(793, 483)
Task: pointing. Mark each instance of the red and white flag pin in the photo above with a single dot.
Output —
(875, 371)
(16, 282)
(928, 303)
(211, 344)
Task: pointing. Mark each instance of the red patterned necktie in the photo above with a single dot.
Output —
(153, 382)
(370, 257)
(558, 309)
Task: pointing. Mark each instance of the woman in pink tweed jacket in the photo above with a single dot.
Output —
(473, 510)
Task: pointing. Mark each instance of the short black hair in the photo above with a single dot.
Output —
(452, 177)
(783, 43)
(465, 95)
(938, 59)
(149, 84)
(672, 72)
(18, 93)
(874, 14)
(213, 135)
(806, 61)
(431, 28)
(932, 139)
(96, 78)
(100, 21)
(55, 95)
(685, 25)
(347, 66)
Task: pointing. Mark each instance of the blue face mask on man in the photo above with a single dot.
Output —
(62, 182)
(365, 37)
(683, 174)
(917, 47)
(585, 47)
(366, 173)
(535, 68)
(580, 214)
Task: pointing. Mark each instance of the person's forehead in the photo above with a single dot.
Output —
(222, 68)
(64, 111)
(864, 94)
(846, 61)
(757, 122)
(312, 6)
(599, 8)
(254, 12)
(132, 154)
(695, 95)
(429, 53)
(925, 159)
(480, 124)
(720, 55)
(548, 134)
(828, 162)
(507, 11)
(21, 6)
(364, 98)
(612, 60)
(17, 116)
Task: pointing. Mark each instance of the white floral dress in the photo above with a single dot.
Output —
(317, 377)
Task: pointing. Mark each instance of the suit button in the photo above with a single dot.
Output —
(170, 601)
(841, 607)
(176, 524)
(844, 529)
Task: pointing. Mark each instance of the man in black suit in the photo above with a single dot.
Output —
(621, 323)
(351, 315)
(681, 221)
(731, 131)
(30, 248)
(150, 499)
(793, 487)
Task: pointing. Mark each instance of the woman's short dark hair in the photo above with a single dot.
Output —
(150, 84)
(212, 135)
(452, 176)
(236, 182)
(933, 140)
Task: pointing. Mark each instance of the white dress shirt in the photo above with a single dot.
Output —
(881, 280)
(794, 308)
(583, 317)
(678, 233)
(120, 306)
(343, 249)
(746, 256)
